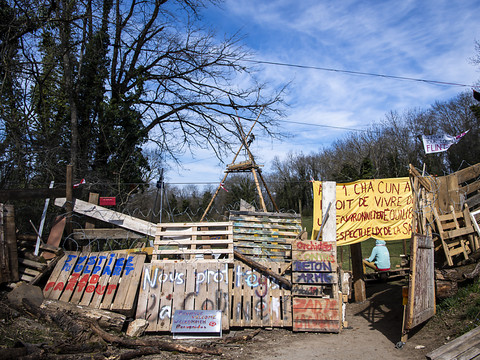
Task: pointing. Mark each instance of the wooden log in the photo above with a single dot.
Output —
(262, 269)
(474, 273)
(106, 319)
(445, 289)
(72, 325)
(160, 345)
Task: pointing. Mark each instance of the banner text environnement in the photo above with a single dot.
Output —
(377, 208)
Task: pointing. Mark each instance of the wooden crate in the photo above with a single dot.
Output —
(205, 241)
(169, 286)
(265, 236)
(107, 280)
(258, 301)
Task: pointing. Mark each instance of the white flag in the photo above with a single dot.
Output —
(438, 143)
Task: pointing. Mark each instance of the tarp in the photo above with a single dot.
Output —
(379, 208)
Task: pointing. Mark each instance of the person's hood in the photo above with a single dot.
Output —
(380, 242)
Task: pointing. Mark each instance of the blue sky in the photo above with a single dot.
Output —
(432, 40)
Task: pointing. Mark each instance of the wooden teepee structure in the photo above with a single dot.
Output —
(244, 166)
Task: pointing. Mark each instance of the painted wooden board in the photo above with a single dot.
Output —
(169, 286)
(97, 280)
(314, 278)
(258, 301)
(306, 290)
(315, 314)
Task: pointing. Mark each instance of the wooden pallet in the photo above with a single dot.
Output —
(170, 286)
(206, 241)
(456, 234)
(106, 280)
(265, 236)
(258, 301)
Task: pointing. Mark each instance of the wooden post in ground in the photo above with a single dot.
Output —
(69, 197)
(357, 273)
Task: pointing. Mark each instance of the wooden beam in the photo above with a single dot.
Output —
(91, 234)
(111, 217)
(262, 268)
(357, 273)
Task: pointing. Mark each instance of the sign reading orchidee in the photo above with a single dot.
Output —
(380, 209)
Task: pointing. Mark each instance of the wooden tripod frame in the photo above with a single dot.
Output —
(249, 165)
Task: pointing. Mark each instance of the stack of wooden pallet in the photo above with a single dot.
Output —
(265, 236)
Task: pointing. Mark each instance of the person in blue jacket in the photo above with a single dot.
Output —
(379, 260)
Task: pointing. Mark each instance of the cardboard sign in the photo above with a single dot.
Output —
(201, 323)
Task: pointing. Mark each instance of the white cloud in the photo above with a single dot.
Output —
(429, 39)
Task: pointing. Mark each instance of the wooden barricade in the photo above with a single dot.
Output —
(259, 301)
(169, 286)
(106, 280)
(208, 241)
(265, 236)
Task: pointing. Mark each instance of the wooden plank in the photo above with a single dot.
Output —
(314, 278)
(307, 290)
(456, 346)
(128, 285)
(54, 276)
(91, 234)
(106, 263)
(238, 306)
(93, 280)
(179, 287)
(314, 266)
(83, 279)
(469, 173)
(31, 264)
(73, 278)
(114, 280)
(275, 295)
(421, 296)
(152, 287)
(92, 199)
(111, 217)
(55, 236)
(193, 224)
(165, 297)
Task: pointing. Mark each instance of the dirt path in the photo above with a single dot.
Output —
(374, 330)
